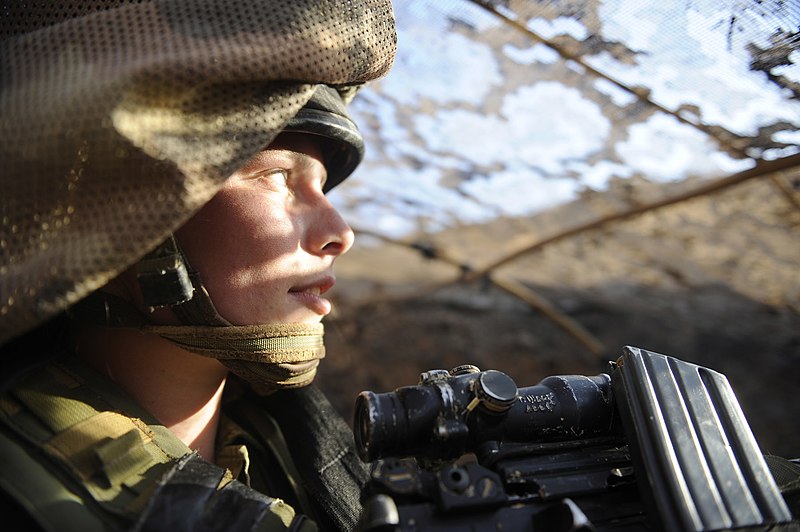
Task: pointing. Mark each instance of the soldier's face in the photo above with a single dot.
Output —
(266, 243)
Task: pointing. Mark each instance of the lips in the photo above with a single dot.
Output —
(310, 294)
(317, 287)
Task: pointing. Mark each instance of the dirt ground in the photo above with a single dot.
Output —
(713, 281)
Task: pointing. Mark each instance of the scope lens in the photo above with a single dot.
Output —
(363, 427)
(380, 424)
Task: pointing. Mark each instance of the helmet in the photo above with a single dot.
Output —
(119, 120)
(325, 115)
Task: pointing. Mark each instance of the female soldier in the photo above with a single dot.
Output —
(167, 244)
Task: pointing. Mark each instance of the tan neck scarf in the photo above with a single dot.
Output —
(269, 357)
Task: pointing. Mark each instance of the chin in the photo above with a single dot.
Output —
(307, 320)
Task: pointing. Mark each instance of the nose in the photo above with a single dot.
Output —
(328, 233)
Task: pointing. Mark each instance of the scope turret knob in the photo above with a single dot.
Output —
(495, 390)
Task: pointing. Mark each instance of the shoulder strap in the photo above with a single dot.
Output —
(196, 496)
(321, 447)
(113, 457)
(71, 438)
(42, 495)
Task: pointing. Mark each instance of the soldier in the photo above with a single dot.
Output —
(166, 249)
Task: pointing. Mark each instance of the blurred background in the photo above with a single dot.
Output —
(549, 181)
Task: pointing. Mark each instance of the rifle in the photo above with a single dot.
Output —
(657, 444)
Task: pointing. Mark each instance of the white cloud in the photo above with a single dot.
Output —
(776, 153)
(538, 53)
(596, 176)
(438, 14)
(475, 137)
(379, 197)
(619, 96)
(629, 21)
(558, 26)
(791, 72)
(541, 126)
(441, 66)
(664, 149)
(521, 192)
(709, 73)
(788, 137)
(549, 123)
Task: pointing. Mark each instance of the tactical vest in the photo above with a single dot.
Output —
(76, 454)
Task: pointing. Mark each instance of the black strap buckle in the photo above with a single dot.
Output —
(164, 277)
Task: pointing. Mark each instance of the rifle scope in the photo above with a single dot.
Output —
(451, 412)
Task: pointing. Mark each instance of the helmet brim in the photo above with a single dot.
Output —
(325, 116)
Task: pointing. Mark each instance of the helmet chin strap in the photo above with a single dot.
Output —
(269, 357)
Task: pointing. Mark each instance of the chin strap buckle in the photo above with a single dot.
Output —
(163, 276)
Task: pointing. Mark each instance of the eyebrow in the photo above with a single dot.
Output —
(299, 160)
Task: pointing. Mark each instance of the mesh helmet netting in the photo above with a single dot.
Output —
(119, 120)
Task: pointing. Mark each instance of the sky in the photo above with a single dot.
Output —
(477, 121)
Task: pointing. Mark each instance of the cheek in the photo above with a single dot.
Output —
(235, 237)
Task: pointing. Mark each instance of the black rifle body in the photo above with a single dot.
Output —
(659, 444)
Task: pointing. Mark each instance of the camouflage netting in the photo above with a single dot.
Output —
(120, 119)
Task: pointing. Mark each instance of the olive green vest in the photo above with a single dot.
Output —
(77, 454)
